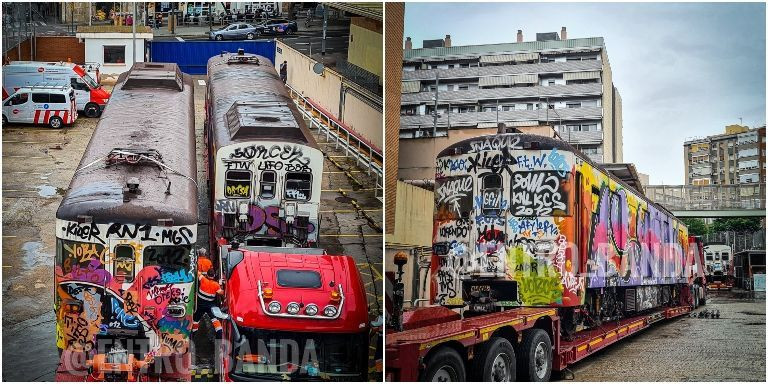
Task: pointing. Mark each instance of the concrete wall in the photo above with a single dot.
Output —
(412, 233)
(94, 52)
(365, 44)
(363, 118)
(326, 90)
(417, 156)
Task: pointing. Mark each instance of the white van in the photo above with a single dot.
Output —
(52, 105)
(90, 97)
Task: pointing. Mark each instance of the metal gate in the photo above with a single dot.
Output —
(192, 56)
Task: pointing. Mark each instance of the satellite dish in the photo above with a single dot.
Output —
(318, 68)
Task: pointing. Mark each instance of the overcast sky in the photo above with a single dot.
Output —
(683, 69)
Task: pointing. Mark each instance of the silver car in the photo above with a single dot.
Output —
(236, 31)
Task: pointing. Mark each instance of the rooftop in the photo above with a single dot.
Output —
(502, 48)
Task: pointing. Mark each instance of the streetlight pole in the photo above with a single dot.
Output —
(133, 27)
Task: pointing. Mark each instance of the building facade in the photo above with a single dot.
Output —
(554, 81)
(733, 158)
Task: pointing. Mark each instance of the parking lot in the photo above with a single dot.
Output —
(38, 163)
(729, 348)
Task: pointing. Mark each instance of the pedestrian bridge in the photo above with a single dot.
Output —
(710, 201)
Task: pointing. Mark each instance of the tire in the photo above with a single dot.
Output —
(56, 122)
(250, 36)
(290, 31)
(5, 120)
(445, 364)
(534, 361)
(92, 110)
(695, 297)
(703, 299)
(495, 361)
(219, 37)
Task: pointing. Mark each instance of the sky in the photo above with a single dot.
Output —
(683, 69)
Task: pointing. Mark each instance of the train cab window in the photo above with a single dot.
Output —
(298, 185)
(725, 256)
(709, 256)
(125, 262)
(237, 184)
(268, 182)
(174, 260)
(492, 192)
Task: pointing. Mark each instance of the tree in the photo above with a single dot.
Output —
(736, 224)
(696, 227)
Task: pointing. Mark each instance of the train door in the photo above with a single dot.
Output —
(122, 307)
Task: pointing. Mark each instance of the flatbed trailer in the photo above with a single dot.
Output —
(409, 353)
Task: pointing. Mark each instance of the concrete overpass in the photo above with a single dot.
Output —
(710, 201)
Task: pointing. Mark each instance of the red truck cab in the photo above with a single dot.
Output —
(292, 314)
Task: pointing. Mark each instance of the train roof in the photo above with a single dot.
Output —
(250, 102)
(150, 113)
(529, 141)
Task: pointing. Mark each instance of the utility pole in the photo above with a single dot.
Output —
(31, 35)
(437, 91)
(90, 14)
(325, 27)
(133, 26)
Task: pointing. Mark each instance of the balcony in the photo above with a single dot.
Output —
(503, 93)
(590, 137)
(473, 118)
(476, 72)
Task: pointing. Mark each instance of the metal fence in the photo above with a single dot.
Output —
(708, 197)
(359, 76)
(738, 241)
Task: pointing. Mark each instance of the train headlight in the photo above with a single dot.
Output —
(274, 307)
(292, 308)
(330, 311)
(311, 310)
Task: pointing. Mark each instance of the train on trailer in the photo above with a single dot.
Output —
(549, 257)
(125, 267)
(265, 173)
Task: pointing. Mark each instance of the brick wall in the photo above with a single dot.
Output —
(393, 47)
(50, 48)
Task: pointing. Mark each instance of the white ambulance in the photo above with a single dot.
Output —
(52, 105)
(90, 97)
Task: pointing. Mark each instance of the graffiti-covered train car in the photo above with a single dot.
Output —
(125, 267)
(719, 266)
(526, 220)
(264, 164)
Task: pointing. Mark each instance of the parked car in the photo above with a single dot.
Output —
(236, 31)
(279, 27)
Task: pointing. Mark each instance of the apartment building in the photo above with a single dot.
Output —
(734, 157)
(562, 84)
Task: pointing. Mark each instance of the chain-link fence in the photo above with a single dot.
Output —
(738, 241)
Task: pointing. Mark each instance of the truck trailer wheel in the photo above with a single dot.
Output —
(534, 361)
(445, 364)
(495, 361)
(92, 110)
(703, 298)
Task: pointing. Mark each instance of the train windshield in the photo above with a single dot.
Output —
(298, 355)
(174, 262)
(79, 256)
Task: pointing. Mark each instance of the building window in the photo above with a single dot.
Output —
(529, 107)
(464, 65)
(463, 87)
(573, 105)
(508, 108)
(114, 54)
(450, 66)
(550, 82)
